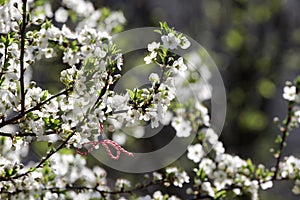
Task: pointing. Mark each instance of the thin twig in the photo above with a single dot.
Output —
(22, 53)
(80, 188)
(32, 134)
(103, 91)
(20, 115)
(284, 131)
(4, 63)
(44, 159)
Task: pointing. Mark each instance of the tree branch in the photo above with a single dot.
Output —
(4, 64)
(22, 53)
(20, 115)
(284, 131)
(18, 134)
(103, 91)
(44, 159)
(80, 188)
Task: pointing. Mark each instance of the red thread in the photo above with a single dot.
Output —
(105, 143)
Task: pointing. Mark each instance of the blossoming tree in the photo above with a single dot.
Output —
(74, 121)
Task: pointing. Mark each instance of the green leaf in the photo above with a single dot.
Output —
(66, 151)
(46, 170)
(3, 39)
(45, 95)
(118, 29)
(8, 172)
(6, 65)
(73, 46)
(259, 172)
(131, 93)
(32, 169)
(51, 177)
(278, 139)
(46, 120)
(251, 167)
(28, 17)
(73, 16)
(2, 2)
(220, 194)
(39, 3)
(32, 116)
(105, 12)
(201, 174)
(158, 31)
(47, 24)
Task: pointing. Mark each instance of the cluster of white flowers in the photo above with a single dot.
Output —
(157, 195)
(93, 63)
(182, 74)
(122, 184)
(9, 17)
(221, 171)
(171, 41)
(48, 114)
(182, 126)
(292, 95)
(154, 102)
(163, 88)
(63, 171)
(289, 169)
(178, 177)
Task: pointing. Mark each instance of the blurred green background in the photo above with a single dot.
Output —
(256, 46)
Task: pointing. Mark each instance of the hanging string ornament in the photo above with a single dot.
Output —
(105, 143)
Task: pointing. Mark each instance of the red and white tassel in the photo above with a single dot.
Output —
(105, 143)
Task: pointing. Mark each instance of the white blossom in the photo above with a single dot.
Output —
(181, 177)
(185, 43)
(170, 41)
(296, 188)
(147, 197)
(120, 138)
(151, 57)
(71, 57)
(289, 93)
(266, 185)
(157, 176)
(297, 115)
(195, 152)
(179, 66)
(157, 195)
(154, 77)
(153, 46)
(61, 15)
(183, 127)
(122, 183)
(206, 186)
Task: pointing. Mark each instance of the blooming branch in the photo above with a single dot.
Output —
(284, 130)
